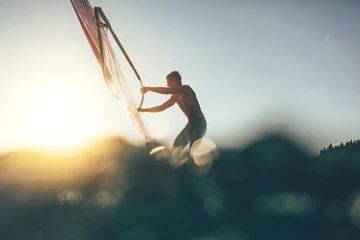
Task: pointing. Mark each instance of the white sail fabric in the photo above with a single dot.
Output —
(112, 72)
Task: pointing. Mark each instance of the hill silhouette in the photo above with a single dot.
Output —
(272, 188)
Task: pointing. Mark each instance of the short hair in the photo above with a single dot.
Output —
(174, 75)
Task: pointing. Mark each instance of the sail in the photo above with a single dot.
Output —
(111, 69)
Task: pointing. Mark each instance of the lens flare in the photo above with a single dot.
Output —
(203, 151)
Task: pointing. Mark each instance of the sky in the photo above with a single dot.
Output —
(252, 63)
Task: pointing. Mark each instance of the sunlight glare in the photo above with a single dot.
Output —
(159, 126)
(58, 118)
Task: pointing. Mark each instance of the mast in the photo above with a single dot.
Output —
(99, 12)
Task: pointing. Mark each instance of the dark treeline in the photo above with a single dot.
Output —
(272, 188)
(350, 147)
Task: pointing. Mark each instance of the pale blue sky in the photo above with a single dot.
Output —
(251, 63)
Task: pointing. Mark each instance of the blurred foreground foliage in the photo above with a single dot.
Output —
(272, 188)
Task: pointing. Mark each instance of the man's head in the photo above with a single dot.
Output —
(173, 79)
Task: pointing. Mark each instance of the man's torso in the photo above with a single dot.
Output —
(188, 103)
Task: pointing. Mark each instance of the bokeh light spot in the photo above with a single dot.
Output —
(71, 197)
(355, 209)
(203, 151)
(105, 199)
(285, 204)
(212, 205)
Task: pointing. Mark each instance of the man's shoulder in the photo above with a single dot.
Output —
(187, 88)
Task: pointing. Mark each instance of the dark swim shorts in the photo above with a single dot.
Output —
(194, 130)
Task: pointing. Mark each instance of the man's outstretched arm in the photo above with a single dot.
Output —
(162, 90)
(159, 108)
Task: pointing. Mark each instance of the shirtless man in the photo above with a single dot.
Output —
(186, 99)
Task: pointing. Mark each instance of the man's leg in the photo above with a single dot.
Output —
(183, 138)
(198, 132)
(178, 156)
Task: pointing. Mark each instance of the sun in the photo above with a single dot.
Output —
(58, 119)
